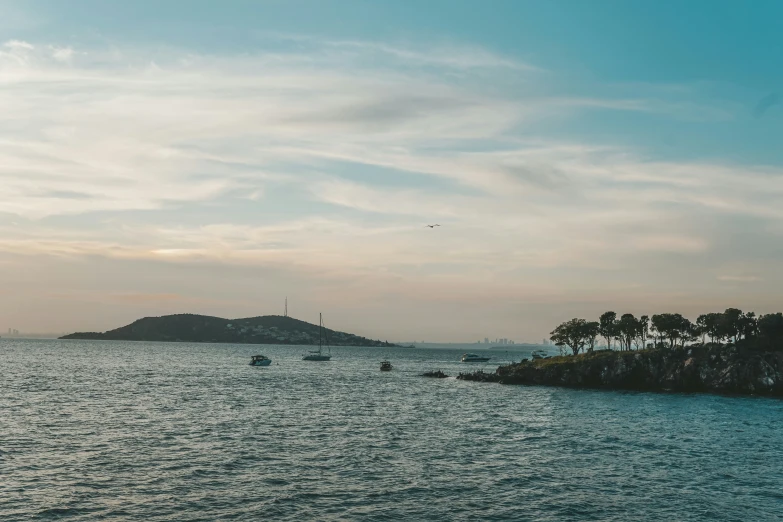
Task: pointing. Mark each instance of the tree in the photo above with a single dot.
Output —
(672, 330)
(712, 325)
(732, 319)
(573, 333)
(701, 326)
(607, 327)
(673, 327)
(660, 323)
(591, 329)
(748, 325)
(685, 331)
(644, 330)
(691, 333)
(627, 330)
(770, 327)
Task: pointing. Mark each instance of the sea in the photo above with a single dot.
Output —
(118, 431)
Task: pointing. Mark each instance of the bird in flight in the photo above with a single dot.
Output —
(432, 226)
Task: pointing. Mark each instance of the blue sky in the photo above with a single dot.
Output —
(161, 157)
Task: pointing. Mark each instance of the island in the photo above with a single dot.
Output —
(269, 329)
(728, 352)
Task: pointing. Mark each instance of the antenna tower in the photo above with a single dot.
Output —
(286, 307)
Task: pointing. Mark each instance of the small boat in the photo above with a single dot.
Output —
(260, 360)
(472, 357)
(539, 354)
(386, 366)
(318, 355)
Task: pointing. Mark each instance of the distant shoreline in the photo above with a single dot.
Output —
(30, 336)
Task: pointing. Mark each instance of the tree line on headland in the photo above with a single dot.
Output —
(671, 330)
(727, 352)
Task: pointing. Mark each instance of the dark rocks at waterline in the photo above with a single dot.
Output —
(437, 374)
(710, 368)
(479, 376)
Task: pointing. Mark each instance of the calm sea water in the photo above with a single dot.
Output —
(132, 431)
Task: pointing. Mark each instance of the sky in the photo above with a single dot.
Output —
(208, 157)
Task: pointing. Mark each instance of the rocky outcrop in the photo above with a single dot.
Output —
(437, 374)
(711, 368)
(479, 376)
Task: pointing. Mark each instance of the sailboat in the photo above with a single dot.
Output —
(318, 355)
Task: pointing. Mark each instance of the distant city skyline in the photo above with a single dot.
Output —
(220, 157)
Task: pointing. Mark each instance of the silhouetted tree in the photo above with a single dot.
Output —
(731, 323)
(591, 329)
(687, 331)
(573, 333)
(608, 327)
(712, 325)
(672, 327)
(627, 330)
(701, 327)
(644, 330)
(673, 330)
(748, 325)
(691, 333)
(770, 328)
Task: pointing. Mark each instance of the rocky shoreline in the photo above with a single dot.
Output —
(437, 374)
(699, 368)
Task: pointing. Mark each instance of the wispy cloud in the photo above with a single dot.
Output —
(458, 56)
(328, 158)
(739, 278)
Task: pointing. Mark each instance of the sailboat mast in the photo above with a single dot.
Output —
(326, 338)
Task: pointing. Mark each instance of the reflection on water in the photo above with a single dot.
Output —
(119, 431)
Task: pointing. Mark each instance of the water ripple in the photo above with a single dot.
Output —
(163, 432)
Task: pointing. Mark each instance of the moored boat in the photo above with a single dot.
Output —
(318, 355)
(260, 360)
(472, 357)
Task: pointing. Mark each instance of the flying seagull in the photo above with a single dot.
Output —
(432, 226)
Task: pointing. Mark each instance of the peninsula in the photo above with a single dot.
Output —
(709, 368)
(268, 329)
(728, 352)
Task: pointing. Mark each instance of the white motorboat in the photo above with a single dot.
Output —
(472, 357)
(260, 360)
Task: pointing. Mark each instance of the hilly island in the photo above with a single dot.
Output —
(268, 329)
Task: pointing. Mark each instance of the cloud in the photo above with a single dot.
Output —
(322, 162)
(62, 54)
(130, 136)
(739, 278)
(15, 52)
(671, 243)
(134, 133)
(456, 56)
(18, 45)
